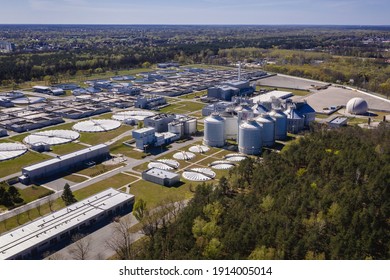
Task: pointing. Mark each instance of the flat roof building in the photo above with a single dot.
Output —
(63, 163)
(34, 238)
(161, 177)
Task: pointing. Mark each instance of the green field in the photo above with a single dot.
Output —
(154, 194)
(75, 178)
(33, 193)
(67, 148)
(97, 170)
(183, 107)
(292, 90)
(98, 138)
(15, 165)
(116, 182)
(193, 95)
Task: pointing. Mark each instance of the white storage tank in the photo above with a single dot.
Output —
(190, 126)
(268, 126)
(295, 122)
(250, 138)
(231, 125)
(214, 131)
(176, 128)
(280, 124)
(244, 112)
(259, 109)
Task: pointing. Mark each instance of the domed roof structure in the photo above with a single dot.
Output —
(357, 106)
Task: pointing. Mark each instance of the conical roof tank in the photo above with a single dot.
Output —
(214, 131)
(268, 125)
(280, 124)
(250, 138)
(259, 109)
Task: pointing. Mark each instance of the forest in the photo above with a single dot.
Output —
(325, 196)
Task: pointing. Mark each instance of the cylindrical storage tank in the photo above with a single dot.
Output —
(280, 124)
(190, 127)
(231, 126)
(176, 128)
(295, 122)
(250, 138)
(259, 109)
(244, 112)
(214, 131)
(268, 126)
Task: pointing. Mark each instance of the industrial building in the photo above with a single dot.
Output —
(22, 120)
(49, 90)
(32, 239)
(338, 122)
(159, 122)
(144, 137)
(149, 101)
(64, 163)
(161, 177)
(228, 89)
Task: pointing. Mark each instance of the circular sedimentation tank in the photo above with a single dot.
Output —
(164, 164)
(184, 155)
(199, 174)
(199, 149)
(103, 125)
(222, 165)
(138, 115)
(52, 137)
(235, 157)
(11, 150)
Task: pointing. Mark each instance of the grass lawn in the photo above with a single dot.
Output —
(15, 165)
(97, 170)
(293, 91)
(193, 95)
(183, 107)
(67, 148)
(116, 182)
(101, 137)
(104, 116)
(33, 193)
(75, 178)
(153, 194)
(30, 215)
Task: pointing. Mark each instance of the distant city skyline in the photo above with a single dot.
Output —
(316, 12)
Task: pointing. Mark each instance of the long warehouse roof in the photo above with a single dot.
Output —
(30, 235)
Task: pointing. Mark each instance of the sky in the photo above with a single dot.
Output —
(334, 12)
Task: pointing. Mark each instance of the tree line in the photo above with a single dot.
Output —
(325, 196)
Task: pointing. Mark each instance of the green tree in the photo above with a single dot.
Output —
(67, 195)
(140, 210)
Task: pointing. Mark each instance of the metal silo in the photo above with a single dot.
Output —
(190, 126)
(268, 125)
(231, 125)
(250, 138)
(259, 109)
(214, 131)
(244, 112)
(295, 122)
(280, 124)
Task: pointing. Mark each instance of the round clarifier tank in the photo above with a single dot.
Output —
(214, 131)
(280, 119)
(268, 126)
(250, 138)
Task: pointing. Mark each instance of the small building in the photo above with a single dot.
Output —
(144, 137)
(65, 163)
(338, 122)
(149, 102)
(49, 90)
(161, 177)
(31, 240)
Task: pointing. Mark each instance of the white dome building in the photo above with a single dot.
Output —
(357, 106)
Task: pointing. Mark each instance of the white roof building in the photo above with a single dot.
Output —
(37, 236)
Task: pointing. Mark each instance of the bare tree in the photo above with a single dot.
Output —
(18, 212)
(38, 206)
(121, 239)
(81, 247)
(50, 201)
